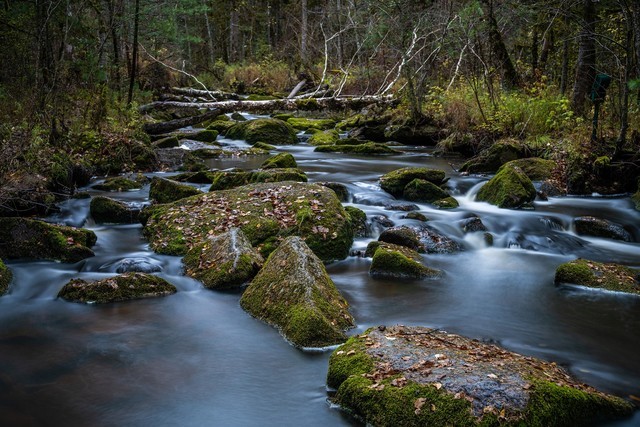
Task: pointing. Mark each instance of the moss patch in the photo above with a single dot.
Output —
(107, 210)
(308, 124)
(270, 131)
(395, 181)
(495, 156)
(420, 190)
(358, 220)
(510, 188)
(535, 168)
(398, 262)
(328, 137)
(446, 203)
(166, 191)
(280, 160)
(613, 277)
(365, 148)
(119, 183)
(225, 180)
(221, 126)
(5, 278)
(207, 135)
(124, 287)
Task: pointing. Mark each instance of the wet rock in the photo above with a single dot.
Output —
(472, 225)
(199, 177)
(415, 215)
(609, 276)
(395, 181)
(28, 238)
(367, 147)
(498, 154)
(358, 220)
(550, 188)
(281, 160)
(370, 132)
(327, 137)
(535, 168)
(420, 190)
(264, 146)
(120, 183)
(137, 265)
(421, 239)
(397, 262)
(224, 180)
(5, 278)
(221, 126)
(340, 189)
(238, 117)
(401, 206)
(224, 261)
(403, 236)
(410, 134)
(597, 227)
(107, 210)
(446, 203)
(265, 212)
(271, 131)
(294, 293)
(510, 188)
(167, 142)
(418, 376)
(166, 191)
(381, 221)
(125, 287)
(311, 124)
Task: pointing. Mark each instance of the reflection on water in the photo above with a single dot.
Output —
(196, 358)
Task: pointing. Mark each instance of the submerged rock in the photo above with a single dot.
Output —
(609, 276)
(395, 181)
(166, 191)
(491, 159)
(5, 278)
(107, 210)
(224, 261)
(597, 227)
(420, 238)
(397, 262)
(265, 212)
(415, 376)
(124, 287)
(281, 160)
(294, 293)
(510, 188)
(225, 180)
(138, 264)
(271, 131)
(29, 238)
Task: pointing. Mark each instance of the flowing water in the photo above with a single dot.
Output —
(196, 358)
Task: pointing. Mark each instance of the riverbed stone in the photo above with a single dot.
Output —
(509, 188)
(416, 376)
(410, 134)
(339, 188)
(366, 147)
(124, 287)
(397, 262)
(598, 227)
(221, 126)
(266, 213)
(395, 181)
(294, 293)
(164, 190)
(305, 124)
(446, 203)
(224, 180)
(5, 278)
(121, 183)
(423, 191)
(327, 137)
(29, 238)
(224, 261)
(472, 225)
(358, 220)
(107, 210)
(271, 131)
(609, 276)
(279, 161)
(535, 168)
(420, 238)
(499, 153)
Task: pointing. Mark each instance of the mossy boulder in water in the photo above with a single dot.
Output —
(271, 131)
(310, 124)
(340, 189)
(124, 287)
(327, 137)
(29, 238)
(446, 203)
(5, 278)
(294, 293)
(613, 277)
(107, 210)
(207, 135)
(421, 238)
(265, 212)
(420, 190)
(598, 227)
(358, 220)
(166, 191)
(510, 188)
(416, 376)
(221, 126)
(535, 168)
(367, 147)
(498, 154)
(398, 262)
(224, 180)
(281, 160)
(121, 183)
(424, 134)
(395, 181)
(224, 261)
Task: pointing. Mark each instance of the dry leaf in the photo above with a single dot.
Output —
(438, 386)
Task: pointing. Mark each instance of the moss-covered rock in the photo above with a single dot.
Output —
(294, 293)
(124, 287)
(120, 183)
(598, 227)
(29, 238)
(309, 124)
(416, 216)
(225, 180)
(265, 212)
(166, 191)
(472, 225)
(238, 117)
(398, 262)
(171, 141)
(425, 134)
(271, 131)
(415, 376)
(395, 181)
(327, 137)
(207, 135)
(264, 146)
(420, 190)
(107, 210)
(365, 148)
(510, 188)
(280, 160)
(446, 203)
(340, 189)
(224, 261)
(613, 277)
(5, 278)
(535, 168)
(221, 126)
(198, 177)
(496, 155)
(358, 220)
(420, 238)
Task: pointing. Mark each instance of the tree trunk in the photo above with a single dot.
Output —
(586, 63)
(164, 127)
(234, 31)
(624, 103)
(635, 13)
(134, 55)
(304, 28)
(510, 77)
(212, 55)
(564, 73)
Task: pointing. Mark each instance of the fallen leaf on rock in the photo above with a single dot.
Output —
(492, 376)
(438, 386)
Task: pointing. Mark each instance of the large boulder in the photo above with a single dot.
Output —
(311, 124)
(410, 134)
(271, 131)
(510, 188)
(327, 137)
(5, 278)
(281, 160)
(224, 180)
(124, 287)
(397, 262)
(358, 220)
(598, 227)
(265, 212)
(416, 376)
(164, 190)
(294, 293)
(224, 261)
(107, 210)
(29, 238)
(420, 190)
(613, 277)
(366, 147)
(121, 183)
(498, 154)
(535, 168)
(395, 181)
(421, 238)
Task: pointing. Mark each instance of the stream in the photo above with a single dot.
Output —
(196, 358)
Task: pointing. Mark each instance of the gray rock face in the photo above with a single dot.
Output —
(597, 227)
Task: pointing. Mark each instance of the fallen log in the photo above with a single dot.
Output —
(164, 127)
(296, 89)
(342, 103)
(217, 95)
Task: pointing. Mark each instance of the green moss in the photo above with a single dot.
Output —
(613, 277)
(351, 122)
(636, 199)
(308, 104)
(327, 137)
(107, 210)
(264, 146)
(358, 220)
(225, 180)
(349, 360)
(281, 160)
(366, 148)
(118, 183)
(207, 135)
(124, 287)
(535, 168)
(417, 216)
(166, 191)
(398, 262)
(446, 203)
(168, 142)
(221, 126)
(308, 124)
(420, 190)
(5, 278)
(498, 154)
(270, 131)
(395, 181)
(283, 116)
(510, 188)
